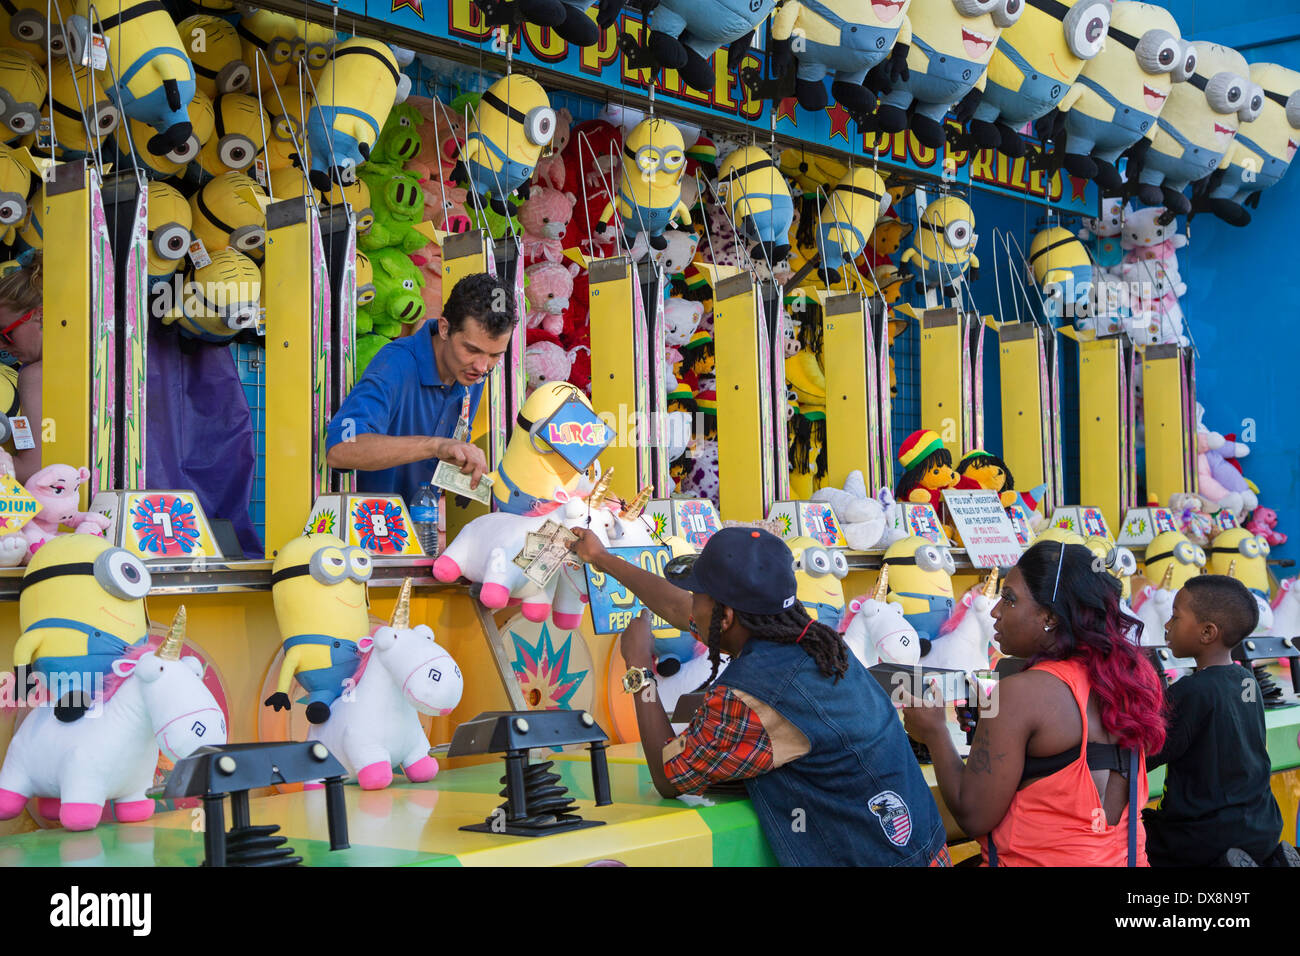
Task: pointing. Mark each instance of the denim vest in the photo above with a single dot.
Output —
(863, 799)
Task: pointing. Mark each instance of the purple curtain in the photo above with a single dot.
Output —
(199, 429)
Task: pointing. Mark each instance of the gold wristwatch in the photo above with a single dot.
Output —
(637, 678)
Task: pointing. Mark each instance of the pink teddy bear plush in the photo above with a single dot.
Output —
(545, 218)
(55, 487)
(550, 286)
(1263, 522)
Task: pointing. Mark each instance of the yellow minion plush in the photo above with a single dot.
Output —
(68, 98)
(238, 139)
(230, 211)
(755, 193)
(650, 186)
(23, 27)
(515, 122)
(920, 581)
(820, 572)
(857, 200)
(220, 299)
(282, 42)
(32, 231)
(357, 90)
(1122, 90)
(318, 587)
(81, 608)
(1173, 553)
(22, 94)
(357, 195)
(1063, 269)
(1246, 554)
(1119, 561)
(1264, 145)
(215, 50)
(152, 79)
(365, 280)
(289, 183)
(287, 133)
(18, 179)
(169, 229)
(176, 163)
(943, 247)
(1033, 66)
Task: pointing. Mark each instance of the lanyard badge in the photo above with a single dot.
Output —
(462, 425)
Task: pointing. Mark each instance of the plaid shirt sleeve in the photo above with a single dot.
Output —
(725, 741)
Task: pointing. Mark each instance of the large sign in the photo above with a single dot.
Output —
(459, 21)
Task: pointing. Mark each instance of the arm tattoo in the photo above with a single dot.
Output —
(980, 760)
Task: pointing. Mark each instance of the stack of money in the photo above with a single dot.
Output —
(544, 551)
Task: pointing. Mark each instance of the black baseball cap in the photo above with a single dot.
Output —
(746, 569)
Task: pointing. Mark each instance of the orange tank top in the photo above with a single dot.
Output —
(1058, 820)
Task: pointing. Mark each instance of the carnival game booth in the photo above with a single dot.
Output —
(748, 291)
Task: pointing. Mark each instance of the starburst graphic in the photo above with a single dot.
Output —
(660, 522)
(165, 525)
(785, 109)
(380, 527)
(543, 671)
(324, 523)
(786, 525)
(839, 122)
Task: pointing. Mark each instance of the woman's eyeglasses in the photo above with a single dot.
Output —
(5, 333)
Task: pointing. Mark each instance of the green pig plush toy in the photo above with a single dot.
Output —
(399, 141)
(367, 347)
(397, 300)
(398, 204)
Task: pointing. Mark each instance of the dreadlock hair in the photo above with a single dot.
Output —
(681, 289)
(692, 354)
(820, 642)
(810, 211)
(810, 328)
(983, 460)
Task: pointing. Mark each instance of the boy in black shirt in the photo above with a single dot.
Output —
(1217, 797)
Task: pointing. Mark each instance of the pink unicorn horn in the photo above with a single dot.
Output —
(402, 610)
(171, 648)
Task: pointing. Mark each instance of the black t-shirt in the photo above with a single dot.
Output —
(1216, 791)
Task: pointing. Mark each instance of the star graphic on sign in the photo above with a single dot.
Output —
(839, 121)
(4, 521)
(785, 109)
(1078, 188)
(417, 6)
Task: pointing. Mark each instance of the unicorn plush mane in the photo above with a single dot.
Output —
(958, 613)
(112, 681)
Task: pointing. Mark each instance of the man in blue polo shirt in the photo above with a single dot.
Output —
(415, 403)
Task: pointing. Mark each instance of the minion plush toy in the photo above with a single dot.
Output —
(820, 573)
(685, 33)
(758, 199)
(22, 94)
(1173, 553)
(1036, 61)
(920, 581)
(230, 211)
(927, 469)
(1196, 127)
(169, 230)
(505, 138)
(318, 586)
(943, 246)
(1119, 561)
(282, 42)
(177, 162)
(23, 27)
(225, 299)
(19, 176)
(858, 198)
(650, 187)
(1063, 270)
(1245, 555)
(69, 123)
(952, 43)
(215, 51)
(239, 126)
(1122, 90)
(81, 608)
(846, 38)
(357, 196)
(1263, 147)
(154, 75)
(287, 132)
(357, 90)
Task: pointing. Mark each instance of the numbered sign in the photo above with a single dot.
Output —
(808, 519)
(613, 606)
(1141, 525)
(379, 524)
(1020, 522)
(1225, 520)
(1093, 523)
(922, 520)
(17, 506)
(157, 525)
(695, 520)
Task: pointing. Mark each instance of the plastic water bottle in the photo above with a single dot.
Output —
(424, 518)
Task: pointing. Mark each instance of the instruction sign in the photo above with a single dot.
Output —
(985, 530)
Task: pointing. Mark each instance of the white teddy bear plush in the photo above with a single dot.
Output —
(864, 520)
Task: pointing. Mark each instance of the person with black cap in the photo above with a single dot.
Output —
(815, 739)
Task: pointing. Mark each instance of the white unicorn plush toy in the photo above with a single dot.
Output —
(156, 700)
(1286, 610)
(1155, 609)
(964, 641)
(875, 629)
(375, 726)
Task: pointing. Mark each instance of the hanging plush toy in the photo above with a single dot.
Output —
(274, 43)
(1063, 270)
(70, 124)
(398, 204)
(224, 299)
(859, 198)
(505, 138)
(943, 246)
(230, 211)
(842, 38)
(287, 130)
(1264, 146)
(927, 469)
(549, 289)
(154, 79)
(357, 89)
(758, 199)
(180, 163)
(920, 581)
(170, 220)
(399, 141)
(397, 299)
(23, 27)
(684, 34)
(568, 18)
(214, 48)
(545, 218)
(650, 187)
(18, 180)
(319, 592)
(239, 125)
(24, 85)
(1034, 64)
(1102, 234)
(952, 43)
(1196, 127)
(1122, 90)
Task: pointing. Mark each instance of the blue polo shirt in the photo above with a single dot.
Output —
(401, 394)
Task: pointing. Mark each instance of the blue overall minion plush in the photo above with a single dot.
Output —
(943, 246)
(568, 18)
(1064, 272)
(153, 78)
(684, 34)
(952, 43)
(920, 581)
(505, 138)
(357, 89)
(843, 39)
(758, 198)
(857, 200)
(180, 162)
(650, 185)
(1264, 145)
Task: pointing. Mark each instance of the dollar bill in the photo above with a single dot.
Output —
(450, 478)
(557, 532)
(544, 566)
(533, 546)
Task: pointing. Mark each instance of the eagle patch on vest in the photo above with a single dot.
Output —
(894, 817)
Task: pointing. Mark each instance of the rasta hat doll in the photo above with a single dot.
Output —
(981, 469)
(927, 469)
